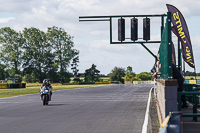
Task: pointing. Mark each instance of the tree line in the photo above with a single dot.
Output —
(187, 73)
(36, 55)
(116, 74)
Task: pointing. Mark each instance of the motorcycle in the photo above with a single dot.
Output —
(45, 95)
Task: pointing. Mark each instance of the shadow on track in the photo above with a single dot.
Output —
(56, 104)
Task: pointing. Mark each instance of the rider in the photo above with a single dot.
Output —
(46, 83)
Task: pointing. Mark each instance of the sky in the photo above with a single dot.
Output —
(92, 39)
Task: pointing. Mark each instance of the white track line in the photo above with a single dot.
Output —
(144, 127)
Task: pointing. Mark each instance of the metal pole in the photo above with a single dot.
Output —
(195, 75)
(156, 59)
(162, 25)
(195, 106)
(117, 16)
(110, 30)
(179, 57)
(169, 43)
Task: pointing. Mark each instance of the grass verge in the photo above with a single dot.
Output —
(35, 89)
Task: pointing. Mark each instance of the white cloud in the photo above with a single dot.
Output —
(6, 20)
(92, 38)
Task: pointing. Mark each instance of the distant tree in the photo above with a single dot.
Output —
(116, 74)
(92, 74)
(31, 78)
(136, 78)
(63, 44)
(129, 69)
(187, 73)
(75, 69)
(3, 72)
(144, 76)
(88, 78)
(11, 48)
(52, 74)
(102, 75)
(35, 54)
(129, 74)
(82, 74)
(10, 73)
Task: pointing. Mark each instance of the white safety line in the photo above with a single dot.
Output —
(145, 124)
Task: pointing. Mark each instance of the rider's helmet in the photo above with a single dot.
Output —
(45, 82)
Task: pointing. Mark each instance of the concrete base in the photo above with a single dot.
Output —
(166, 97)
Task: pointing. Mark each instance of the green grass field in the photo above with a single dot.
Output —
(35, 89)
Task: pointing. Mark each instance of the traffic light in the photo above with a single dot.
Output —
(146, 29)
(134, 29)
(121, 29)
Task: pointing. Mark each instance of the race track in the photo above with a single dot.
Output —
(102, 109)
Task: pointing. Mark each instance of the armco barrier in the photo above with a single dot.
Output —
(143, 82)
(115, 82)
(187, 81)
(3, 85)
(102, 82)
(17, 85)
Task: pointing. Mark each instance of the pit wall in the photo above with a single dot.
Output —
(166, 95)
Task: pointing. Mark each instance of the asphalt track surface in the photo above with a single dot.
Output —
(102, 109)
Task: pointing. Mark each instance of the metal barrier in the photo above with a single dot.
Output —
(188, 87)
(194, 81)
(102, 82)
(194, 95)
(143, 82)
